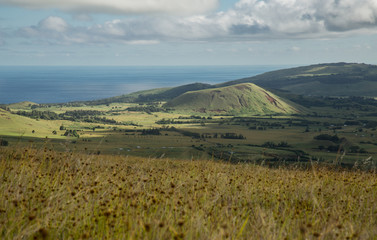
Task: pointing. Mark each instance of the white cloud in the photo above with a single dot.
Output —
(249, 20)
(120, 6)
(53, 24)
(313, 17)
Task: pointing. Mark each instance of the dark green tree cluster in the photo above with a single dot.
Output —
(46, 115)
(4, 142)
(90, 116)
(270, 144)
(71, 133)
(165, 121)
(331, 138)
(356, 149)
(154, 131)
(232, 136)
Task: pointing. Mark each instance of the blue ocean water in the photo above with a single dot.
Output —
(66, 84)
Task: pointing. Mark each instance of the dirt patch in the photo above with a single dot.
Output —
(273, 101)
(242, 102)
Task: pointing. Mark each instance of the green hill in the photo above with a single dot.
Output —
(22, 105)
(335, 79)
(244, 98)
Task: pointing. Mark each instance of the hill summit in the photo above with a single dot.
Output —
(245, 98)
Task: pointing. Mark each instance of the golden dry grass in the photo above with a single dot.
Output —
(52, 195)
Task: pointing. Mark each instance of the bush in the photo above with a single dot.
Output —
(4, 142)
(356, 149)
(151, 132)
(284, 144)
(269, 145)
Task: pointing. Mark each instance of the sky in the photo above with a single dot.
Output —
(187, 32)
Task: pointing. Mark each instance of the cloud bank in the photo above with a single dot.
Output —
(119, 6)
(248, 20)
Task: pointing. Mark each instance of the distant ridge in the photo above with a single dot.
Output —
(158, 94)
(22, 104)
(330, 79)
(246, 98)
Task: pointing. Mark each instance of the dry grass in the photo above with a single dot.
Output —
(51, 195)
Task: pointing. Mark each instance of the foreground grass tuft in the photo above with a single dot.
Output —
(51, 195)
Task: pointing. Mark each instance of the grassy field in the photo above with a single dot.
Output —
(54, 195)
(14, 125)
(125, 137)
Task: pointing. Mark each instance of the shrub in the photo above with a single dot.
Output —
(4, 142)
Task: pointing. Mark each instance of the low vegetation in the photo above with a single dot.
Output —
(50, 195)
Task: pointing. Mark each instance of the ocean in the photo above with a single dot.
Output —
(67, 84)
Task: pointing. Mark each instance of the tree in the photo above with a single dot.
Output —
(283, 144)
(269, 145)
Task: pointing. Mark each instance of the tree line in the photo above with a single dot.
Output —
(90, 116)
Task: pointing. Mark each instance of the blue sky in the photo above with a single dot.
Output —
(187, 32)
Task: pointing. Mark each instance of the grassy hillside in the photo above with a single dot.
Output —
(241, 98)
(22, 105)
(50, 195)
(127, 98)
(159, 94)
(15, 125)
(172, 92)
(336, 79)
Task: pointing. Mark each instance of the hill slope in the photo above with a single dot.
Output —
(22, 105)
(15, 125)
(336, 79)
(159, 94)
(241, 98)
